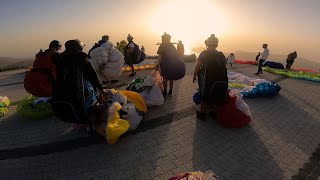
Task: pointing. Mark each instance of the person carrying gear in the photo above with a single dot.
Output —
(180, 49)
(211, 73)
(39, 80)
(76, 86)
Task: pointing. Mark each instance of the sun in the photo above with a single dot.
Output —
(191, 21)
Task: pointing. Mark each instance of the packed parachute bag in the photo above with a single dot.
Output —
(234, 113)
(4, 105)
(125, 112)
(38, 81)
(197, 175)
(152, 94)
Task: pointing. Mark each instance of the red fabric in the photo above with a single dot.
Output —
(38, 81)
(305, 70)
(245, 62)
(229, 116)
(38, 84)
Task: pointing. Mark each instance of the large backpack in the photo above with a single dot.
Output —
(137, 56)
(38, 81)
(213, 78)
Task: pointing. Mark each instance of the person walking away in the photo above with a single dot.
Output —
(263, 58)
(290, 60)
(170, 64)
(180, 49)
(211, 73)
(230, 59)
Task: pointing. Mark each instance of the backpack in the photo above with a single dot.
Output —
(213, 79)
(39, 80)
(137, 56)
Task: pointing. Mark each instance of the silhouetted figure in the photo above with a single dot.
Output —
(263, 58)
(290, 59)
(180, 49)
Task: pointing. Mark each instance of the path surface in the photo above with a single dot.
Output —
(281, 142)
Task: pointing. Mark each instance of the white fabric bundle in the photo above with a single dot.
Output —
(107, 61)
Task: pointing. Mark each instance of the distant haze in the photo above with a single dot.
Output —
(286, 25)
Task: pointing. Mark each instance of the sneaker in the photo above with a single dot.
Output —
(256, 73)
(170, 92)
(114, 81)
(133, 74)
(164, 93)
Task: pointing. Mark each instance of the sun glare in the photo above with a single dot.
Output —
(191, 21)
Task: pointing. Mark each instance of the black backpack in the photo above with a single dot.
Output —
(214, 79)
(68, 90)
(137, 56)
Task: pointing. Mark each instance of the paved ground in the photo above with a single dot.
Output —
(281, 142)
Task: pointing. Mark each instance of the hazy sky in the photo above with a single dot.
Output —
(286, 25)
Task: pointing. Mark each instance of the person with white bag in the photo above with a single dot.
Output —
(107, 61)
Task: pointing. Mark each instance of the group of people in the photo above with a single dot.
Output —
(261, 58)
(77, 77)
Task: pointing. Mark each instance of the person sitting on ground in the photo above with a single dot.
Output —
(230, 59)
(290, 60)
(76, 86)
(180, 49)
(212, 76)
(263, 58)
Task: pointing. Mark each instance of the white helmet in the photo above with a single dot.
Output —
(212, 41)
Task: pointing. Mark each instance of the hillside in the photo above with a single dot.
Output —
(13, 62)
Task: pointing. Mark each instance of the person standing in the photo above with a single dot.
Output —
(180, 49)
(170, 64)
(263, 58)
(212, 76)
(131, 54)
(230, 59)
(290, 59)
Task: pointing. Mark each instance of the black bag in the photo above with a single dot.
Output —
(68, 99)
(213, 79)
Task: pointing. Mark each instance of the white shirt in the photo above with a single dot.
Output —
(231, 59)
(265, 54)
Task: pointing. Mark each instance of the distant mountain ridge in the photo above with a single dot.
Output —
(11, 62)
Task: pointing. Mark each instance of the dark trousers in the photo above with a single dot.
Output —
(289, 64)
(260, 66)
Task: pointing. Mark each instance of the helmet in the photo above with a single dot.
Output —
(129, 37)
(212, 41)
(166, 37)
(74, 45)
(105, 37)
(55, 44)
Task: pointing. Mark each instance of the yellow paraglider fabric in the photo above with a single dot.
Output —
(116, 126)
(136, 99)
